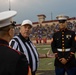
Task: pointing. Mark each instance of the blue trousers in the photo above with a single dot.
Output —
(61, 71)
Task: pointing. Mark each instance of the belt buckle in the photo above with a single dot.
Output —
(63, 50)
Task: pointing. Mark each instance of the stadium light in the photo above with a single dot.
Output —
(9, 5)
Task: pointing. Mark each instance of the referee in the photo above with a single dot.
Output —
(23, 44)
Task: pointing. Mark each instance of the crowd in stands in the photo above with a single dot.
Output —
(46, 32)
(40, 32)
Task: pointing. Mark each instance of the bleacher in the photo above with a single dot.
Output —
(46, 32)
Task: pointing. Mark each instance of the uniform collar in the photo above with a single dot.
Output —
(63, 29)
(3, 42)
(26, 39)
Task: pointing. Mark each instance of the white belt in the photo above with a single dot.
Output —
(64, 50)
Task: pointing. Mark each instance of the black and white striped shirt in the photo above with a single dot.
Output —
(27, 47)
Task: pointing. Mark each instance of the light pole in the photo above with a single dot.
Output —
(9, 5)
(51, 16)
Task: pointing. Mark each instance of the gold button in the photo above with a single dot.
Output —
(62, 41)
(62, 32)
(62, 38)
(62, 35)
(63, 44)
(63, 49)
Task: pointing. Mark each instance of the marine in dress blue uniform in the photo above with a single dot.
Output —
(12, 62)
(63, 47)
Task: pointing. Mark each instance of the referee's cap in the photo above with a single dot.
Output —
(26, 22)
(6, 18)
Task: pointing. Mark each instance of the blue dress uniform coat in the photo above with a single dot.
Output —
(63, 45)
(12, 62)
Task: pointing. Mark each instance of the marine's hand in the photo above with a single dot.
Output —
(63, 60)
(56, 54)
(29, 71)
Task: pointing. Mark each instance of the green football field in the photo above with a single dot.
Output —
(45, 63)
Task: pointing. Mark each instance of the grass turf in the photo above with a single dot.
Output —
(45, 63)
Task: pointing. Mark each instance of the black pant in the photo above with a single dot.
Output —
(61, 71)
